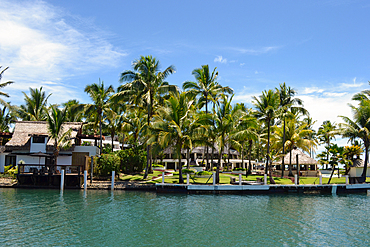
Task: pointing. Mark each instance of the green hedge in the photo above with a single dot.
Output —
(132, 160)
(107, 163)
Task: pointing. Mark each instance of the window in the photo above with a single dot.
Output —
(38, 139)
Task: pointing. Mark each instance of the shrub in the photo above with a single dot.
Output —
(132, 160)
(157, 165)
(11, 170)
(107, 163)
(188, 171)
(239, 169)
(204, 173)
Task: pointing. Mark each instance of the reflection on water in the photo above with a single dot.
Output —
(108, 218)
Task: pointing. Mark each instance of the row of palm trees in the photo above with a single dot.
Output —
(147, 111)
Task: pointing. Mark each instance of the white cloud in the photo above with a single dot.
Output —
(40, 43)
(309, 90)
(258, 51)
(327, 107)
(352, 85)
(334, 94)
(256, 72)
(242, 64)
(220, 59)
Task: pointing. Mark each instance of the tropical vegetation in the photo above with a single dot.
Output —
(151, 117)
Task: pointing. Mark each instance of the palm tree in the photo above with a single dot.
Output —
(173, 125)
(296, 136)
(359, 127)
(3, 85)
(326, 133)
(224, 120)
(113, 118)
(146, 84)
(35, 107)
(74, 110)
(313, 136)
(266, 110)
(205, 87)
(287, 105)
(245, 130)
(55, 120)
(100, 96)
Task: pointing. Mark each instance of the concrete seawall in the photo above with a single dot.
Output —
(263, 189)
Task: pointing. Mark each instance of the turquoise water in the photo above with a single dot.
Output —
(126, 218)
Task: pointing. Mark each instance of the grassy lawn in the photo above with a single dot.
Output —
(225, 179)
(139, 177)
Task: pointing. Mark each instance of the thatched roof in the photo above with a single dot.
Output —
(23, 131)
(303, 159)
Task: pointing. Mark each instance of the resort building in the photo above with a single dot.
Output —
(32, 148)
(198, 158)
(306, 165)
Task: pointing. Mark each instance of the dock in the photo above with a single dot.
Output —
(263, 189)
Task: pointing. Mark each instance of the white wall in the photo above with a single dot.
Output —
(38, 147)
(357, 172)
(92, 150)
(64, 160)
(30, 160)
(2, 161)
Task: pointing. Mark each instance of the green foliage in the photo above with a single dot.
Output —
(107, 163)
(204, 173)
(188, 171)
(132, 160)
(11, 170)
(157, 165)
(239, 169)
(107, 149)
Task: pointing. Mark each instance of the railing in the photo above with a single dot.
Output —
(38, 169)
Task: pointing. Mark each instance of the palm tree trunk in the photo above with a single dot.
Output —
(101, 137)
(181, 179)
(282, 161)
(147, 152)
(218, 168)
(250, 157)
(207, 116)
(242, 153)
(290, 164)
(363, 175)
(332, 173)
(112, 136)
(188, 157)
(268, 146)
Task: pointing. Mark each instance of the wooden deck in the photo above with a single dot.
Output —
(48, 176)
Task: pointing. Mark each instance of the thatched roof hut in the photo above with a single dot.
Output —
(303, 159)
(24, 130)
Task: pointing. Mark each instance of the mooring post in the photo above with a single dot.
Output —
(187, 179)
(334, 189)
(347, 180)
(320, 178)
(113, 175)
(214, 178)
(92, 168)
(295, 179)
(265, 179)
(85, 180)
(162, 177)
(240, 179)
(62, 180)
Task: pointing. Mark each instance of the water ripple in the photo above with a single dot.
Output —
(105, 218)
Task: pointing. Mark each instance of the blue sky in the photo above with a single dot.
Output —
(320, 48)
